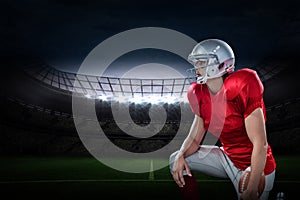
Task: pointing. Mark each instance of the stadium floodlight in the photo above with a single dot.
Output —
(155, 99)
(88, 96)
(102, 97)
(170, 99)
(137, 99)
(121, 99)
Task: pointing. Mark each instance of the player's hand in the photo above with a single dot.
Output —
(249, 195)
(179, 165)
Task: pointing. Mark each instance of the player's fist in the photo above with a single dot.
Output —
(244, 180)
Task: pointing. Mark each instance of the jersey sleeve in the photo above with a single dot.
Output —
(194, 99)
(252, 94)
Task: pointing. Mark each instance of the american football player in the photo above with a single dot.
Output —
(229, 104)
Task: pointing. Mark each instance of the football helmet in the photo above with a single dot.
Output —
(215, 57)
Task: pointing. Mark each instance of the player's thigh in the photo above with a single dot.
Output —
(206, 160)
(269, 185)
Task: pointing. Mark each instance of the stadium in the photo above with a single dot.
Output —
(43, 150)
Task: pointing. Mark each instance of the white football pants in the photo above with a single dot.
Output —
(212, 160)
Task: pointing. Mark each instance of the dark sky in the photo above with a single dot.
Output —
(63, 32)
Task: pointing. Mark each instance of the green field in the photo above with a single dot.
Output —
(86, 177)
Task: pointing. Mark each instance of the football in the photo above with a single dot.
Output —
(243, 182)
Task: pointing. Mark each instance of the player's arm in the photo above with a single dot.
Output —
(192, 141)
(255, 127)
(188, 147)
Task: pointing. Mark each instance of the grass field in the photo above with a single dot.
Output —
(86, 177)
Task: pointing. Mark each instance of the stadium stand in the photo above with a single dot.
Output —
(35, 126)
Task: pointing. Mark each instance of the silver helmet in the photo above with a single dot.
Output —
(214, 56)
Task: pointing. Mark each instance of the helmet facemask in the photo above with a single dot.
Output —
(210, 65)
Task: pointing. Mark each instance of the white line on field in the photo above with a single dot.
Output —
(123, 180)
(151, 172)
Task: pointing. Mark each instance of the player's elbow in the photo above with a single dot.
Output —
(261, 144)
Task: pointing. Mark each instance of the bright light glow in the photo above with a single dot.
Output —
(88, 96)
(153, 99)
(103, 98)
(185, 99)
(170, 99)
(137, 99)
(121, 99)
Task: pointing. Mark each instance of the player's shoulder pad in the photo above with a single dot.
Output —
(243, 80)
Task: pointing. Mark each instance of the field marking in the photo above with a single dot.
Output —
(151, 172)
(123, 180)
(102, 180)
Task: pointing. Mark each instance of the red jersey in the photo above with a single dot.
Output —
(241, 93)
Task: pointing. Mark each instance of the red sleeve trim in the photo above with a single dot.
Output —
(251, 107)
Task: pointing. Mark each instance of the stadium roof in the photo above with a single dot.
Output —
(103, 87)
(122, 89)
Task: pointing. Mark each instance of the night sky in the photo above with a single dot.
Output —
(62, 33)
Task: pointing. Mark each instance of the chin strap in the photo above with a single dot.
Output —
(202, 79)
